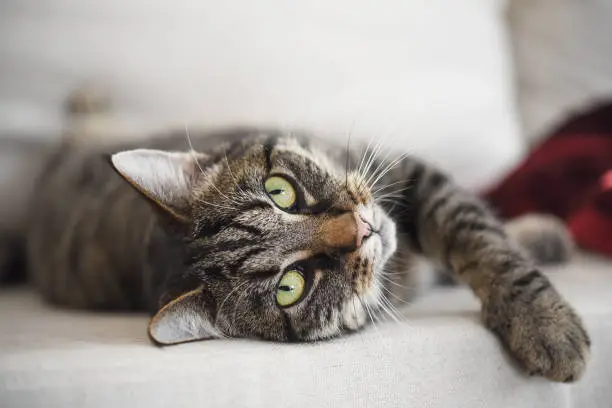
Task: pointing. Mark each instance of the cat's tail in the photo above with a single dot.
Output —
(545, 237)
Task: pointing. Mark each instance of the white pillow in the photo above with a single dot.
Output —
(563, 59)
(430, 77)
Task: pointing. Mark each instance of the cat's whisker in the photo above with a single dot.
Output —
(386, 273)
(388, 308)
(392, 310)
(374, 192)
(390, 198)
(355, 315)
(387, 279)
(372, 181)
(389, 195)
(394, 203)
(400, 192)
(397, 298)
(367, 309)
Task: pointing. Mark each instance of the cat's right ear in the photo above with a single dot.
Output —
(167, 178)
(183, 319)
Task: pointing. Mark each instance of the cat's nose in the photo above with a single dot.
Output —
(364, 229)
(347, 231)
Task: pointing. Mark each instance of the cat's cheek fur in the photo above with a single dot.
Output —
(354, 315)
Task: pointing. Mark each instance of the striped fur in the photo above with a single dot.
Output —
(212, 261)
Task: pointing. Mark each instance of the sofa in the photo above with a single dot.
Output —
(459, 83)
(439, 355)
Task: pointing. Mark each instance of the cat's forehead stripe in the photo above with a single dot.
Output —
(311, 154)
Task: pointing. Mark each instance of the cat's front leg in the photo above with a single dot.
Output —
(519, 304)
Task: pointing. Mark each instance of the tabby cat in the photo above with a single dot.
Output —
(270, 235)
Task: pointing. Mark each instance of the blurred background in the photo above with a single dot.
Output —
(472, 86)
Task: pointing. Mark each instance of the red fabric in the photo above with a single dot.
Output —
(570, 176)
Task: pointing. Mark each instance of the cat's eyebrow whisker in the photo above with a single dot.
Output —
(363, 156)
(193, 152)
(199, 200)
(389, 167)
(228, 296)
(229, 168)
(371, 159)
(236, 307)
(367, 156)
(376, 170)
(238, 203)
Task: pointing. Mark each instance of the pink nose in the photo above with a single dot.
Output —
(364, 229)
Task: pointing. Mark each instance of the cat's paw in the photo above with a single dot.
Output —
(539, 328)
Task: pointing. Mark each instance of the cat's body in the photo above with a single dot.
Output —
(94, 242)
(207, 245)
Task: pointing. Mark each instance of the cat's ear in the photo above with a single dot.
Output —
(167, 178)
(182, 320)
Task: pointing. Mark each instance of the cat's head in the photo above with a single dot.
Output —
(282, 243)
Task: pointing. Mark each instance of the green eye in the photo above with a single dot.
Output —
(281, 191)
(290, 288)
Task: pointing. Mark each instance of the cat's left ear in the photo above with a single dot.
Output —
(166, 178)
(182, 320)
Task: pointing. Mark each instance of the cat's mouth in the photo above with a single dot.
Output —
(377, 249)
(381, 242)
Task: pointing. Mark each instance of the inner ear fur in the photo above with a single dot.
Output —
(165, 178)
(184, 319)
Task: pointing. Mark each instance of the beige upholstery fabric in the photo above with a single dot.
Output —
(439, 356)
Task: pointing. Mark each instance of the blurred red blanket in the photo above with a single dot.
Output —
(570, 176)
